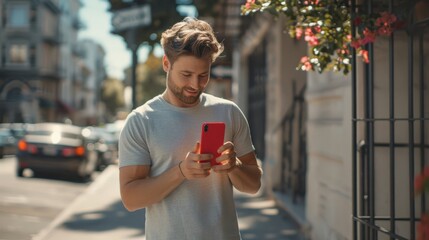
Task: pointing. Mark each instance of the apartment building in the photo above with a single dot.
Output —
(41, 66)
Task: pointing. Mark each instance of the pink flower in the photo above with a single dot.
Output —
(306, 64)
(364, 54)
(310, 37)
(249, 4)
(304, 59)
(298, 33)
(349, 37)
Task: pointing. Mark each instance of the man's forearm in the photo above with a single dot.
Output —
(246, 177)
(141, 193)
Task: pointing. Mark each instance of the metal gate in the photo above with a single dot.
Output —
(257, 97)
(390, 132)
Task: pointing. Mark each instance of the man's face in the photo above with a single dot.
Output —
(186, 79)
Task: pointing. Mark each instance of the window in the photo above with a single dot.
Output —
(18, 54)
(18, 15)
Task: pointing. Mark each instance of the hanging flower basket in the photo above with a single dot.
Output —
(326, 26)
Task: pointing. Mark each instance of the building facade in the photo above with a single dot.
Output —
(340, 152)
(42, 74)
(89, 88)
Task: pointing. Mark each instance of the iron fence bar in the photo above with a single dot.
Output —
(290, 136)
(422, 108)
(376, 228)
(302, 165)
(387, 218)
(363, 187)
(390, 119)
(401, 145)
(392, 129)
(354, 125)
(370, 114)
(411, 131)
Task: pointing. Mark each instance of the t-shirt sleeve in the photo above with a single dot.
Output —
(241, 133)
(133, 148)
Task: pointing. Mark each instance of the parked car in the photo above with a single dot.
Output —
(10, 133)
(56, 148)
(106, 146)
(7, 142)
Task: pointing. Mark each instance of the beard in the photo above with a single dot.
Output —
(179, 93)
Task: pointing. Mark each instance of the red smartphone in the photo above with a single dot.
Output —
(212, 137)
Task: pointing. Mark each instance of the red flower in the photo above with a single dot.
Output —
(426, 172)
(355, 44)
(418, 183)
(369, 36)
(357, 21)
(423, 228)
(421, 181)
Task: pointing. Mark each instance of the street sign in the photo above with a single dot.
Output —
(137, 16)
(222, 71)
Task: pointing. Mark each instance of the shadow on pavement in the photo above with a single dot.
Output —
(259, 218)
(111, 218)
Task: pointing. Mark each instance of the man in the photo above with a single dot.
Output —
(160, 164)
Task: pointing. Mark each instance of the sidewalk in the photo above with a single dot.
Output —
(99, 214)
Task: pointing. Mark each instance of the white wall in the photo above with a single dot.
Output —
(329, 200)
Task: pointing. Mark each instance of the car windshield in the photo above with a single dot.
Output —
(49, 133)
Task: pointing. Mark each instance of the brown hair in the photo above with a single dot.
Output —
(191, 37)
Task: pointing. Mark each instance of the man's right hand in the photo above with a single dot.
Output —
(195, 166)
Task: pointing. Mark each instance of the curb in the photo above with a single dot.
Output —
(285, 203)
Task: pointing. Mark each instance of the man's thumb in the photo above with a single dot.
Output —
(197, 147)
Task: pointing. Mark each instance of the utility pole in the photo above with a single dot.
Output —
(133, 45)
(137, 21)
(126, 22)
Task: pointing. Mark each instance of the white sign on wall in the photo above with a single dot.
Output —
(138, 16)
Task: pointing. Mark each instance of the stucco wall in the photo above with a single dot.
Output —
(329, 156)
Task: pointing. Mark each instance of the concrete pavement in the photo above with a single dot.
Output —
(99, 214)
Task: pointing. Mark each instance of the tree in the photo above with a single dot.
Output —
(150, 79)
(112, 95)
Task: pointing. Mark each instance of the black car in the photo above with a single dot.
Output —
(56, 148)
(7, 141)
(10, 133)
(106, 145)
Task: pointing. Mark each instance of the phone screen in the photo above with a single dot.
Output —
(212, 138)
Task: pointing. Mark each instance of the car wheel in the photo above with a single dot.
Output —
(20, 172)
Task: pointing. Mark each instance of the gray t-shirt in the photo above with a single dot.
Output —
(160, 135)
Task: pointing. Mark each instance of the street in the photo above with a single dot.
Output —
(98, 213)
(48, 208)
(27, 205)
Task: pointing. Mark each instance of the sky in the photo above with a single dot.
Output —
(97, 20)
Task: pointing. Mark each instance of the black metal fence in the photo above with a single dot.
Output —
(257, 98)
(390, 112)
